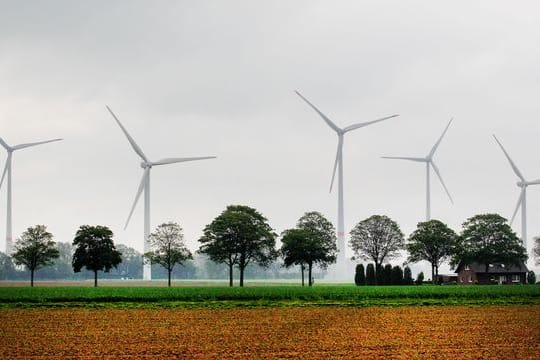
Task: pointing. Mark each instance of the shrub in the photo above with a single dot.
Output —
(531, 277)
(420, 278)
(387, 275)
(360, 276)
(407, 276)
(370, 275)
(397, 275)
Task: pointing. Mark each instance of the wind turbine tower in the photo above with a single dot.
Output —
(522, 200)
(338, 165)
(147, 165)
(7, 170)
(428, 160)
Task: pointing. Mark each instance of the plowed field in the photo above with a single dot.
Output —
(490, 332)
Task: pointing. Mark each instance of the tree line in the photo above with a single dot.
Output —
(240, 236)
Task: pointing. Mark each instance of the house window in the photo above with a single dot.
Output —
(502, 278)
(516, 278)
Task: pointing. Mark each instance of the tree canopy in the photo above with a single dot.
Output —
(377, 238)
(95, 250)
(168, 247)
(432, 241)
(239, 236)
(35, 249)
(488, 239)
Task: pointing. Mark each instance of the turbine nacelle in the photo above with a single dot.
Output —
(146, 165)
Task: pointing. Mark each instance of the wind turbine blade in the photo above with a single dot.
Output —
(4, 173)
(441, 179)
(22, 146)
(130, 139)
(516, 170)
(177, 160)
(336, 163)
(534, 182)
(4, 144)
(417, 159)
(137, 196)
(325, 118)
(520, 200)
(360, 125)
(434, 148)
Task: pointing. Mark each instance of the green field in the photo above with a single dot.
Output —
(260, 296)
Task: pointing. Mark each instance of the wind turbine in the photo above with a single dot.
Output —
(7, 170)
(522, 200)
(147, 165)
(429, 162)
(338, 164)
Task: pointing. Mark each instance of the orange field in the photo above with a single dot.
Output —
(490, 332)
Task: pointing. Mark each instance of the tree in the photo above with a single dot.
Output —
(376, 238)
(397, 275)
(238, 236)
(370, 275)
(168, 247)
(62, 265)
(131, 266)
(432, 241)
(35, 249)
(313, 242)
(531, 277)
(536, 250)
(360, 276)
(95, 250)
(7, 268)
(294, 246)
(407, 276)
(488, 239)
(420, 278)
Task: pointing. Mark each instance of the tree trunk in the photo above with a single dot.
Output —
(95, 278)
(433, 278)
(230, 274)
(32, 278)
(302, 268)
(169, 272)
(437, 273)
(242, 275)
(309, 274)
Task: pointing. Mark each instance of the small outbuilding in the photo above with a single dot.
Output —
(447, 279)
(498, 273)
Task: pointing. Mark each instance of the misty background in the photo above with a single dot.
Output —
(217, 78)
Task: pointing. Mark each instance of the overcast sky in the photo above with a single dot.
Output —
(197, 78)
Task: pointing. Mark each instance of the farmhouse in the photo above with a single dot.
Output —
(498, 273)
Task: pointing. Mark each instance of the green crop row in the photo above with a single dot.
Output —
(193, 295)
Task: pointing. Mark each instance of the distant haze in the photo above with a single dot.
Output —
(218, 78)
